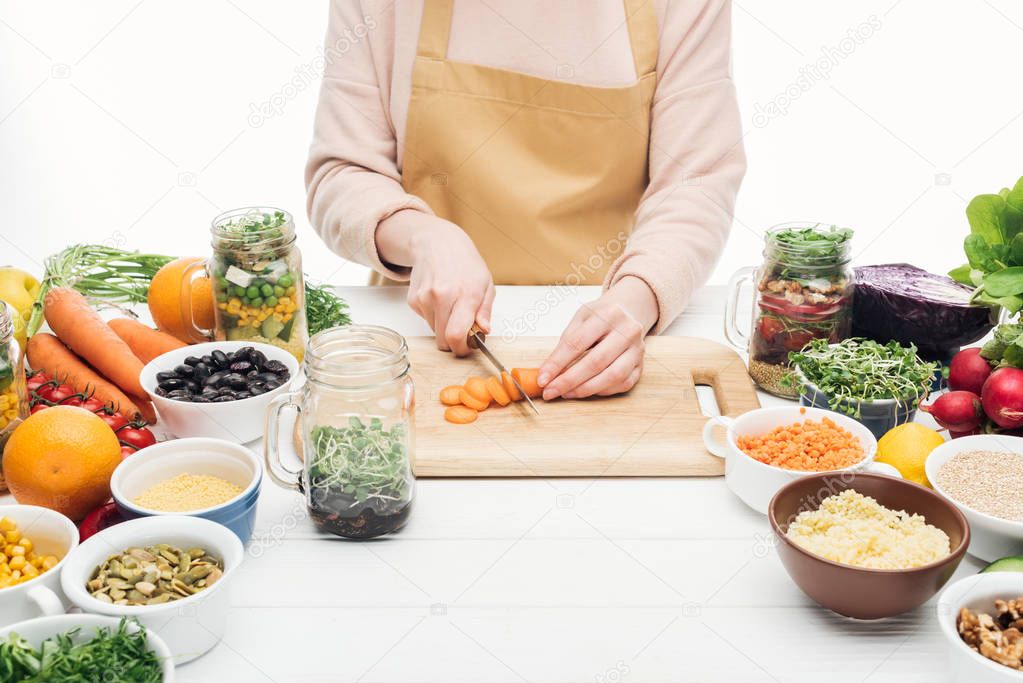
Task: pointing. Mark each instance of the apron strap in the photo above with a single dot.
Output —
(435, 29)
(643, 34)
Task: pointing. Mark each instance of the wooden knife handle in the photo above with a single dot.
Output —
(471, 338)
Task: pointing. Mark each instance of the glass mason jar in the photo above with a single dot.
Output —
(256, 278)
(355, 431)
(804, 291)
(13, 396)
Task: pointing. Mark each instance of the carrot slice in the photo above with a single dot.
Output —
(471, 401)
(497, 391)
(526, 377)
(460, 415)
(449, 395)
(477, 388)
(510, 388)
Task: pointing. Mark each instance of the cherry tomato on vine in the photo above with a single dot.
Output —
(93, 405)
(37, 407)
(136, 435)
(115, 420)
(37, 380)
(127, 450)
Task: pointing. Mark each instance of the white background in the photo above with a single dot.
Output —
(128, 121)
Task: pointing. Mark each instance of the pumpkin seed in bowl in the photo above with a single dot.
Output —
(154, 575)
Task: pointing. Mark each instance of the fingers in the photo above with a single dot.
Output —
(442, 305)
(463, 314)
(582, 333)
(483, 314)
(620, 376)
(591, 365)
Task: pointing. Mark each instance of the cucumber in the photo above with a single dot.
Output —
(242, 333)
(271, 327)
(1013, 563)
(285, 333)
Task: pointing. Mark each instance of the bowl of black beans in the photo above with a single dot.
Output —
(218, 389)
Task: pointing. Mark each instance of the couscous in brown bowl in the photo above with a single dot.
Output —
(855, 591)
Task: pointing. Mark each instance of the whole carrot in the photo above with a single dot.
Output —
(75, 323)
(145, 342)
(47, 353)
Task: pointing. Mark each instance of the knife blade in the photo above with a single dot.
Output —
(477, 341)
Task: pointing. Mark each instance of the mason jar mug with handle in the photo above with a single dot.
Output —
(803, 291)
(355, 430)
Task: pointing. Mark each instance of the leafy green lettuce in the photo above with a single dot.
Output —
(994, 249)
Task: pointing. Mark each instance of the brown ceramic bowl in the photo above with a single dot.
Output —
(855, 591)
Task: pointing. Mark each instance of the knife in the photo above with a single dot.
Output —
(477, 341)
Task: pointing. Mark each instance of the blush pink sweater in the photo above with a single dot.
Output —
(696, 154)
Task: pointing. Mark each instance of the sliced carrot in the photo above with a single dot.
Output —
(510, 388)
(497, 391)
(449, 395)
(471, 401)
(460, 415)
(477, 388)
(526, 377)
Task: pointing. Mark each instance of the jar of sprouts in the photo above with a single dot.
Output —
(256, 277)
(803, 291)
(355, 431)
(13, 397)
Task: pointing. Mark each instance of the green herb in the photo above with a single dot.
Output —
(324, 309)
(105, 275)
(1005, 346)
(859, 370)
(111, 657)
(994, 249)
(363, 461)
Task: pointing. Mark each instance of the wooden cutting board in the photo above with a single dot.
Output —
(654, 430)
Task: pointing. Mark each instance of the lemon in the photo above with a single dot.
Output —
(906, 448)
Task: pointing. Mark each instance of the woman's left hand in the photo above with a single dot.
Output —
(601, 351)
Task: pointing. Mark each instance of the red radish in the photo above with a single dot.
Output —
(1002, 397)
(968, 371)
(957, 411)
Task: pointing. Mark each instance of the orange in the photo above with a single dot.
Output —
(171, 313)
(62, 458)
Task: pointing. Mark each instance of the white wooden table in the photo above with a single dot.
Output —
(601, 580)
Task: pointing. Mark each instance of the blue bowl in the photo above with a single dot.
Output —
(879, 416)
(225, 459)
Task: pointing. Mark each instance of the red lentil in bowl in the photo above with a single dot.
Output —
(807, 446)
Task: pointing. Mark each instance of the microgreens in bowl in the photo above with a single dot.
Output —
(856, 371)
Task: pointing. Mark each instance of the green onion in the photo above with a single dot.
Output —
(112, 656)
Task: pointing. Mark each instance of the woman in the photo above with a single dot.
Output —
(463, 144)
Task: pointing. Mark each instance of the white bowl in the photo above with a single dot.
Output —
(35, 631)
(240, 421)
(978, 593)
(52, 534)
(213, 457)
(190, 626)
(992, 537)
(754, 482)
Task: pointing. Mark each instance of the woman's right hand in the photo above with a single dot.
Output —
(450, 287)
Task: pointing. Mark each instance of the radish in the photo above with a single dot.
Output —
(957, 411)
(1002, 397)
(968, 371)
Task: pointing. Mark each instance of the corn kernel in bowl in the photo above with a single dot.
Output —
(18, 560)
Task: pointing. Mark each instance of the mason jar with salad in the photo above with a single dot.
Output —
(256, 272)
(804, 291)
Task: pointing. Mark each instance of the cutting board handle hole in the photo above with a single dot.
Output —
(708, 400)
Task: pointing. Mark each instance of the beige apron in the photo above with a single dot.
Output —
(544, 176)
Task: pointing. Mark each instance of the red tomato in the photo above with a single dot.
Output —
(115, 420)
(136, 435)
(93, 405)
(45, 390)
(75, 400)
(769, 328)
(127, 450)
(796, 339)
(61, 394)
(36, 380)
(37, 407)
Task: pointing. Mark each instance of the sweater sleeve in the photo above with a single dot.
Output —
(352, 177)
(696, 160)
